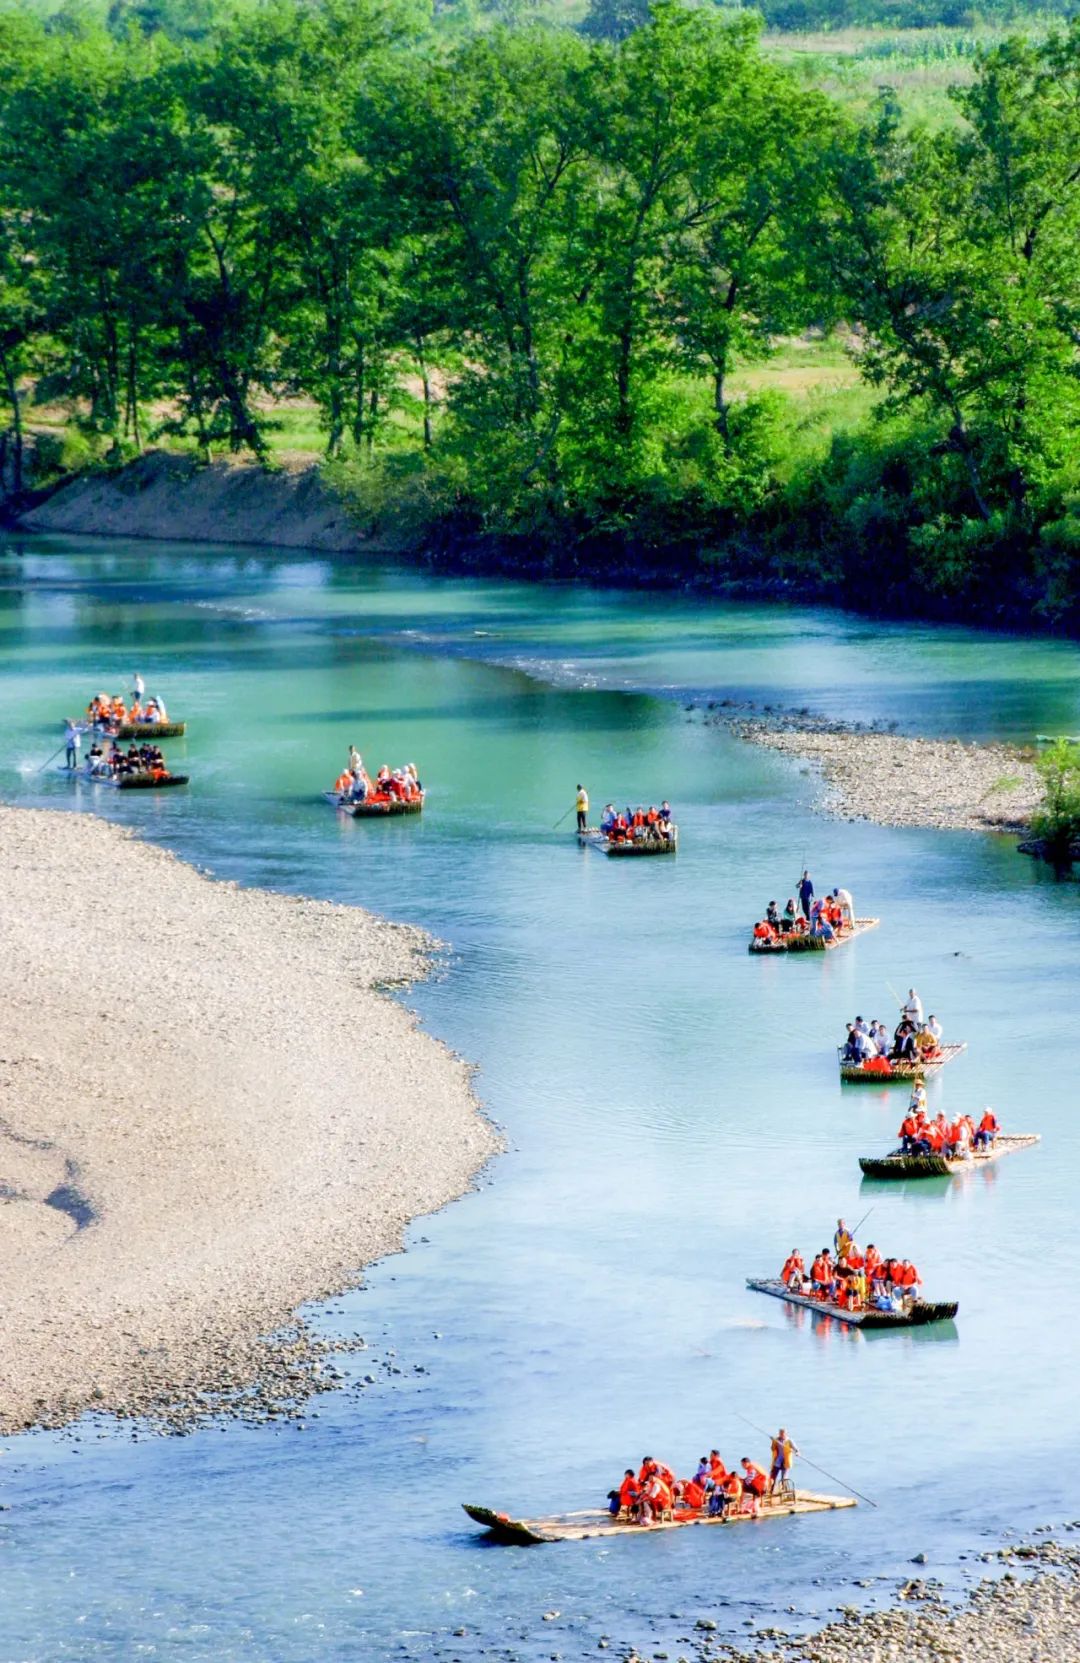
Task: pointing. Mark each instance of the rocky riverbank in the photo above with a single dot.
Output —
(211, 1113)
(1008, 1620)
(873, 774)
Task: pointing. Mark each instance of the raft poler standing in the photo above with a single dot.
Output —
(806, 893)
(73, 732)
(784, 1451)
(582, 806)
(138, 688)
(912, 1010)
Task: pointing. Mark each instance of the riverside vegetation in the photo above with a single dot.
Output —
(525, 273)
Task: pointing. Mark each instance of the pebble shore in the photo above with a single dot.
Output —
(873, 774)
(210, 1113)
(1007, 1620)
(1030, 1613)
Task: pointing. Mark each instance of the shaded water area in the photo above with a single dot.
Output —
(671, 1106)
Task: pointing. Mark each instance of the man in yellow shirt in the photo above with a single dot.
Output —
(582, 808)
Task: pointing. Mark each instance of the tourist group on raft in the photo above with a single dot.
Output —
(955, 1140)
(355, 785)
(116, 763)
(851, 1279)
(829, 916)
(108, 712)
(631, 825)
(914, 1040)
(653, 1494)
(105, 715)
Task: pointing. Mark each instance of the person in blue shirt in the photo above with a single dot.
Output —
(806, 893)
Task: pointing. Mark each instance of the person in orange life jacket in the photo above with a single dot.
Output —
(793, 1268)
(717, 1469)
(690, 1495)
(821, 1273)
(763, 930)
(753, 1477)
(625, 1498)
(658, 1496)
(909, 1130)
(754, 1482)
(988, 1130)
(908, 1280)
(960, 1136)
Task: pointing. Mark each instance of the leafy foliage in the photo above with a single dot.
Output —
(1057, 823)
(519, 271)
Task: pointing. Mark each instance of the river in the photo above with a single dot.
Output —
(671, 1107)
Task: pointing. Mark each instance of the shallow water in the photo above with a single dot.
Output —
(671, 1106)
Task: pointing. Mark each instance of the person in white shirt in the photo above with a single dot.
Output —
(138, 688)
(73, 733)
(912, 1010)
(934, 1027)
(842, 897)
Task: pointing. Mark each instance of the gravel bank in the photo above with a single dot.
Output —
(896, 781)
(209, 1115)
(1011, 1620)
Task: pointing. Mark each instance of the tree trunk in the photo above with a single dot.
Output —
(360, 382)
(373, 411)
(131, 410)
(961, 443)
(425, 384)
(720, 405)
(16, 423)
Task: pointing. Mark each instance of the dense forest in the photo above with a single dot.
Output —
(515, 266)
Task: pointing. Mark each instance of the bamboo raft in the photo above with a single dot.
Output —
(792, 943)
(595, 839)
(123, 782)
(151, 730)
(374, 811)
(899, 1165)
(918, 1314)
(579, 1527)
(855, 1074)
(147, 782)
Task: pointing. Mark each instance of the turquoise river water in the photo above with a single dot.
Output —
(671, 1107)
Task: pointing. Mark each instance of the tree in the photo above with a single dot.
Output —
(957, 252)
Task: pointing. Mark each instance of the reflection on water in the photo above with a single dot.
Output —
(674, 1119)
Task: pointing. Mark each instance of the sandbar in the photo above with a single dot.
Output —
(211, 1111)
